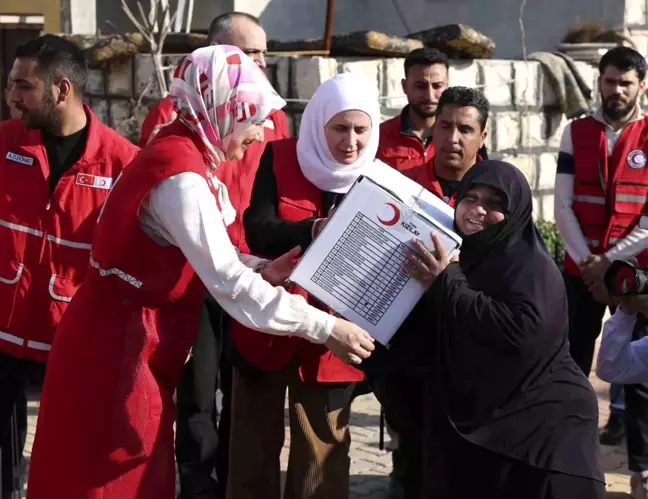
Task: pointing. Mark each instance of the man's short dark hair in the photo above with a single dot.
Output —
(57, 58)
(425, 57)
(465, 97)
(221, 26)
(624, 59)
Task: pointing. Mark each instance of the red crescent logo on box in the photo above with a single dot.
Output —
(395, 219)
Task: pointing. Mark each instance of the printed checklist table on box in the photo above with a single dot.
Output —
(354, 265)
(363, 269)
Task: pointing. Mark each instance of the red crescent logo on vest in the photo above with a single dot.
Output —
(636, 159)
(396, 217)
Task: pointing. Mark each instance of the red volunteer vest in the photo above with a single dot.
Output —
(121, 348)
(239, 176)
(159, 114)
(45, 238)
(298, 200)
(610, 192)
(399, 151)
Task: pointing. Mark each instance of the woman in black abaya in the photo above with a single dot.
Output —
(510, 414)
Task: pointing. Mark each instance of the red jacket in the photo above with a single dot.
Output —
(239, 176)
(120, 349)
(425, 176)
(298, 200)
(159, 114)
(401, 151)
(610, 192)
(45, 239)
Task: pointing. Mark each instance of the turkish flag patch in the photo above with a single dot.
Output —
(94, 181)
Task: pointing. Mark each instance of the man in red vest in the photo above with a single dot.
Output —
(233, 28)
(601, 192)
(57, 165)
(460, 132)
(201, 447)
(406, 140)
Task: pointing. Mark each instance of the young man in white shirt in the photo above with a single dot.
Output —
(623, 359)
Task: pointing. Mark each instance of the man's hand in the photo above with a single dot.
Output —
(634, 304)
(277, 271)
(349, 342)
(593, 269)
(600, 293)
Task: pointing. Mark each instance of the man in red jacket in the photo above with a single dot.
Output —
(406, 140)
(57, 165)
(233, 28)
(200, 446)
(13, 112)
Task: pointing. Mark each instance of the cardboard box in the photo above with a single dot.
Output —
(354, 265)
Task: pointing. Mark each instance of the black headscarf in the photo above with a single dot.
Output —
(511, 184)
(503, 376)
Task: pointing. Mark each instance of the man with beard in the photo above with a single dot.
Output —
(601, 192)
(406, 140)
(13, 112)
(57, 165)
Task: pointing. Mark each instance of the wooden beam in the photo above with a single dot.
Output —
(328, 29)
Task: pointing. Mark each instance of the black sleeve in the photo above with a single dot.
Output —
(501, 325)
(266, 234)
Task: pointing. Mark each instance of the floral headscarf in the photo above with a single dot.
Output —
(218, 92)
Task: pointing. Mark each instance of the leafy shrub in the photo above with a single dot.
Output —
(553, 240)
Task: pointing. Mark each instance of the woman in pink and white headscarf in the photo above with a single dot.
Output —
(105, 428)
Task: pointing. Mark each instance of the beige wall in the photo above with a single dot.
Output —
(51, 9)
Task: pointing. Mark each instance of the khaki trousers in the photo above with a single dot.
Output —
(318, 464)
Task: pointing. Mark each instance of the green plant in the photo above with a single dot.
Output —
(553, 240)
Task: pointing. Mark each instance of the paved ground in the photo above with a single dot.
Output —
(370, 466)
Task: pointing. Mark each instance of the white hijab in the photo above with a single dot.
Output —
(343, 92)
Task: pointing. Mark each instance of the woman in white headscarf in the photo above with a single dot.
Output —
(105, 427)
(298, 182)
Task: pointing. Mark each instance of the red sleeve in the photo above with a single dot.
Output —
(281, 124)
(383, 142)
(159, 114)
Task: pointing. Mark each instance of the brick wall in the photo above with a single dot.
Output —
(525, 125)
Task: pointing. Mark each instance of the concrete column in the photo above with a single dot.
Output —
(80, 16)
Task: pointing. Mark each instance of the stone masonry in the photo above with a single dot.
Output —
(524, 108)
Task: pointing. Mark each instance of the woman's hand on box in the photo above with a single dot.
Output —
(425, 265)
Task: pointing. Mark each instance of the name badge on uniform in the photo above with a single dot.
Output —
(17, 158)
(94, 181)
(637, 159)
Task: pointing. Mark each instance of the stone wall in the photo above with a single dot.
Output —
(546, 21)
(525, 125)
